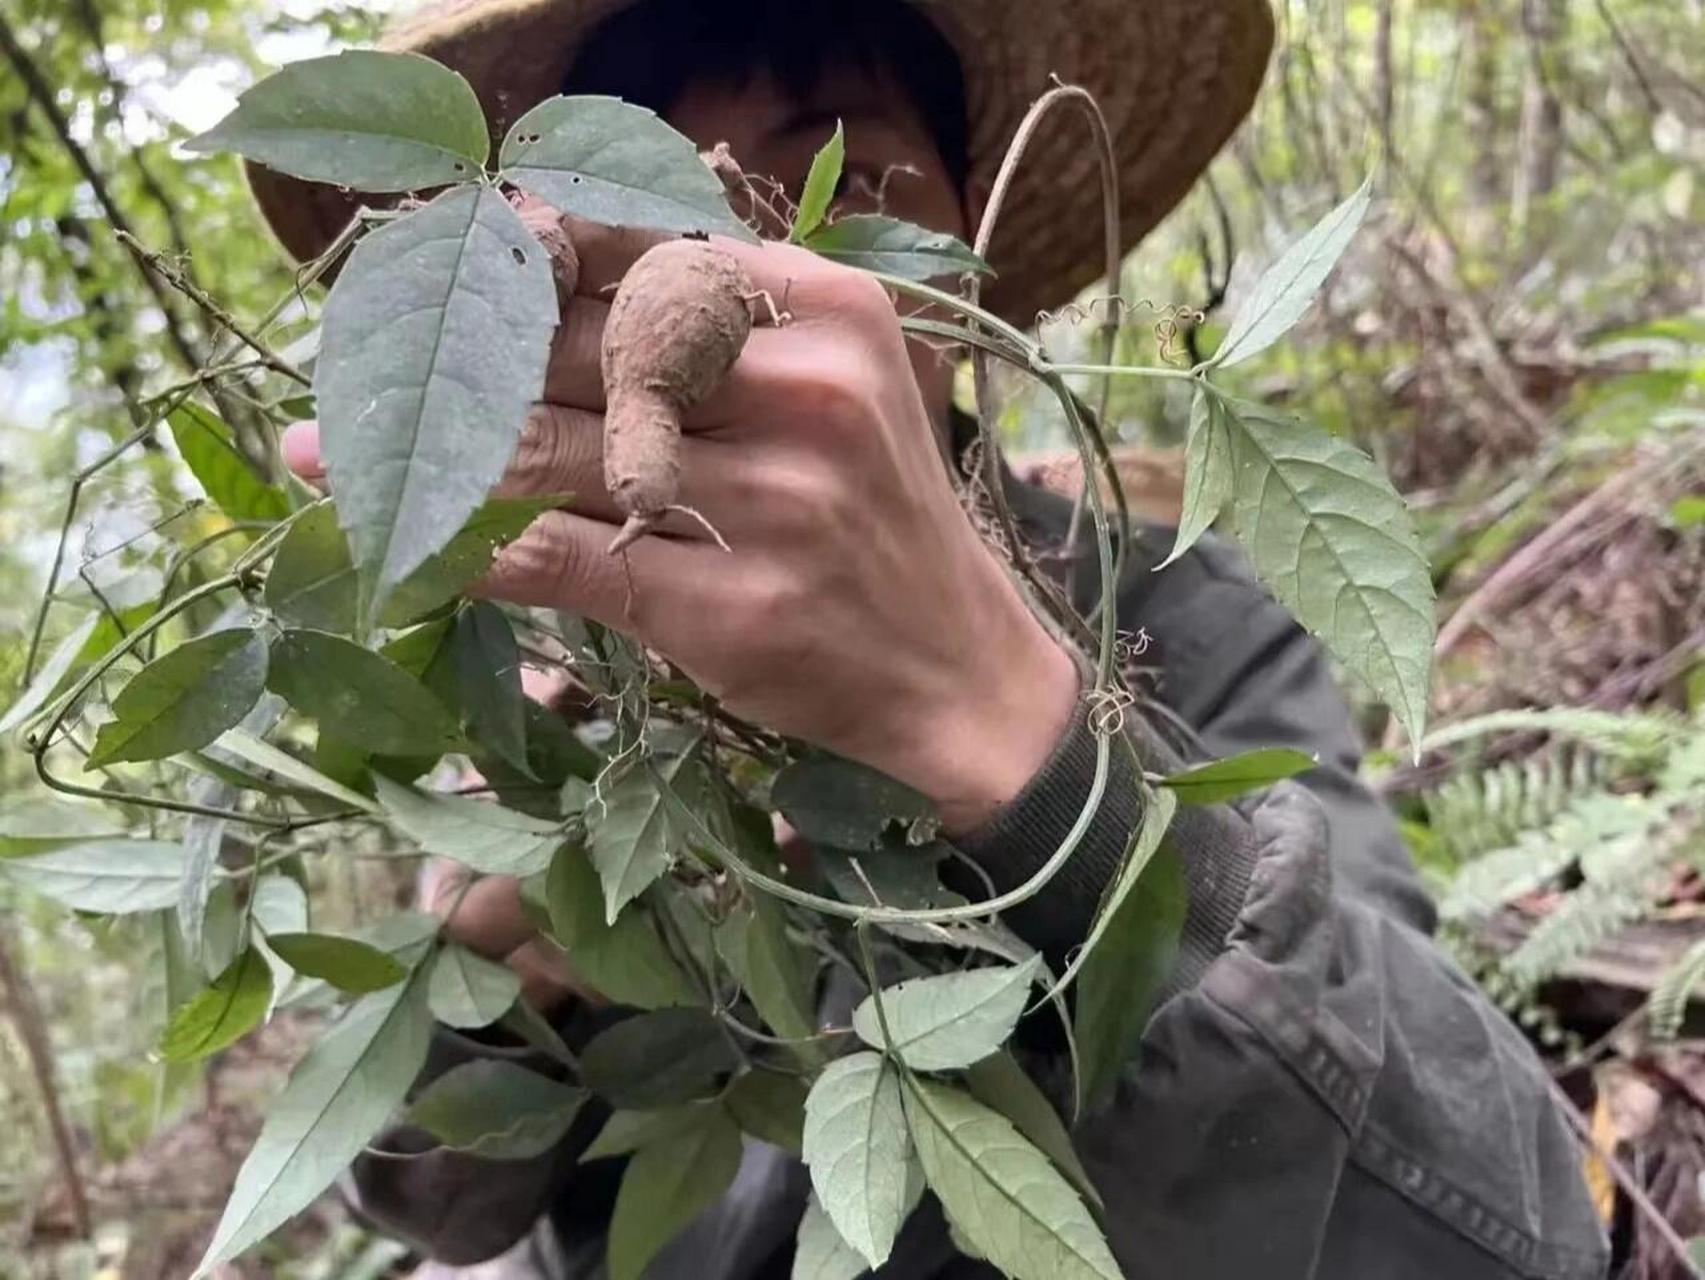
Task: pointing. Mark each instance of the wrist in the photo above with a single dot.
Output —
(982, 746)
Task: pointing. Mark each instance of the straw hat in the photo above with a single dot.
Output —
(1173, 77)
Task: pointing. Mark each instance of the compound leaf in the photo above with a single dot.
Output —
(435, 341)
(613, 162)
(184, 700)
(363, 119)
(625, 961)
(948, 1020)
(632, 836)
(999, 1082)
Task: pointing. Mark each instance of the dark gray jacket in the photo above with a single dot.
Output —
(1322, 1093)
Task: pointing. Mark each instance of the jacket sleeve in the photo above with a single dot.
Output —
(1321, 1093)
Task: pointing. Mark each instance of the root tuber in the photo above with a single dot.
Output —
(678, 321)
(550, 229)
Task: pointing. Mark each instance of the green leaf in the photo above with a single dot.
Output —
(613, 162)
(632, 836)
(874, 242)
(467, 990)
(358, 695)
(436, 337)
(860, 1156)
(1125, 972)
(665, 1187)
(1237, 775)
(1331, 538)
(770, 1107)
(999, 1082)
(948, 1020)
(346, 963)
(363, 119)
(658, 1059)
(313, 583)
(263, 755)
(476, 833)
(777, 975)
(1001, 1192)
(108, 877)
(487, 665)
(225, 475)
(184, 700)
(819, 1253)
(34, 697)
(37, 826)
(1207, 473)
(496, 1110)
(625, 961)
(338, 1097)
(627, 1131)
(846, 805)
(279, 905)
(820, 184)
(220, 1014)
(1286, 288)
(1158, 810)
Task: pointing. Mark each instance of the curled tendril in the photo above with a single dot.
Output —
(1107, 709)
(1170, 319)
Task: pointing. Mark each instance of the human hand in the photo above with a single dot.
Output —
(859, 609)
(486, 915)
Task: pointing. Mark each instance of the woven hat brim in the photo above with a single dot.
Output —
(1173, 78)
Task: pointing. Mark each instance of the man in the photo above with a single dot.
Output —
(1320, 1093)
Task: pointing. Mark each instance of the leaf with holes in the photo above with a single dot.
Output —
(184, 700)
(948, 1020)
(1285, 290)
(363, 119)
(222, 470)
(665, 1187)
(359, 696)
(219, 1014)
(338, 1097)
(108, 877)
(874, 242)
(820, 185)
(496, 1110)
(613, 162)
(467, 990)
(1237, 775)
(858, 1151)
(1000, 1192)
(1331, 538)
(436, 336)
(479, 834)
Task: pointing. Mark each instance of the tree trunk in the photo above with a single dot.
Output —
(26, 1016)
(1542, 23)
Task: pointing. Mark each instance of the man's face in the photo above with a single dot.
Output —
(891, 163)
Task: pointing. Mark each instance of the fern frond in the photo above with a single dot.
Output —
(1624, 735)
(1667, 1005)
(1592, 913)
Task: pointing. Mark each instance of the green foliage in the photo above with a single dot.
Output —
(820, 184)
(873, 242)
(347, 963)
(667, 1183)
(185, 700)
(1237, 775)
(859, 1150)
(496, 1110)
(948, 1020)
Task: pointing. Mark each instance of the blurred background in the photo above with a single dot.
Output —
(1518, 335)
